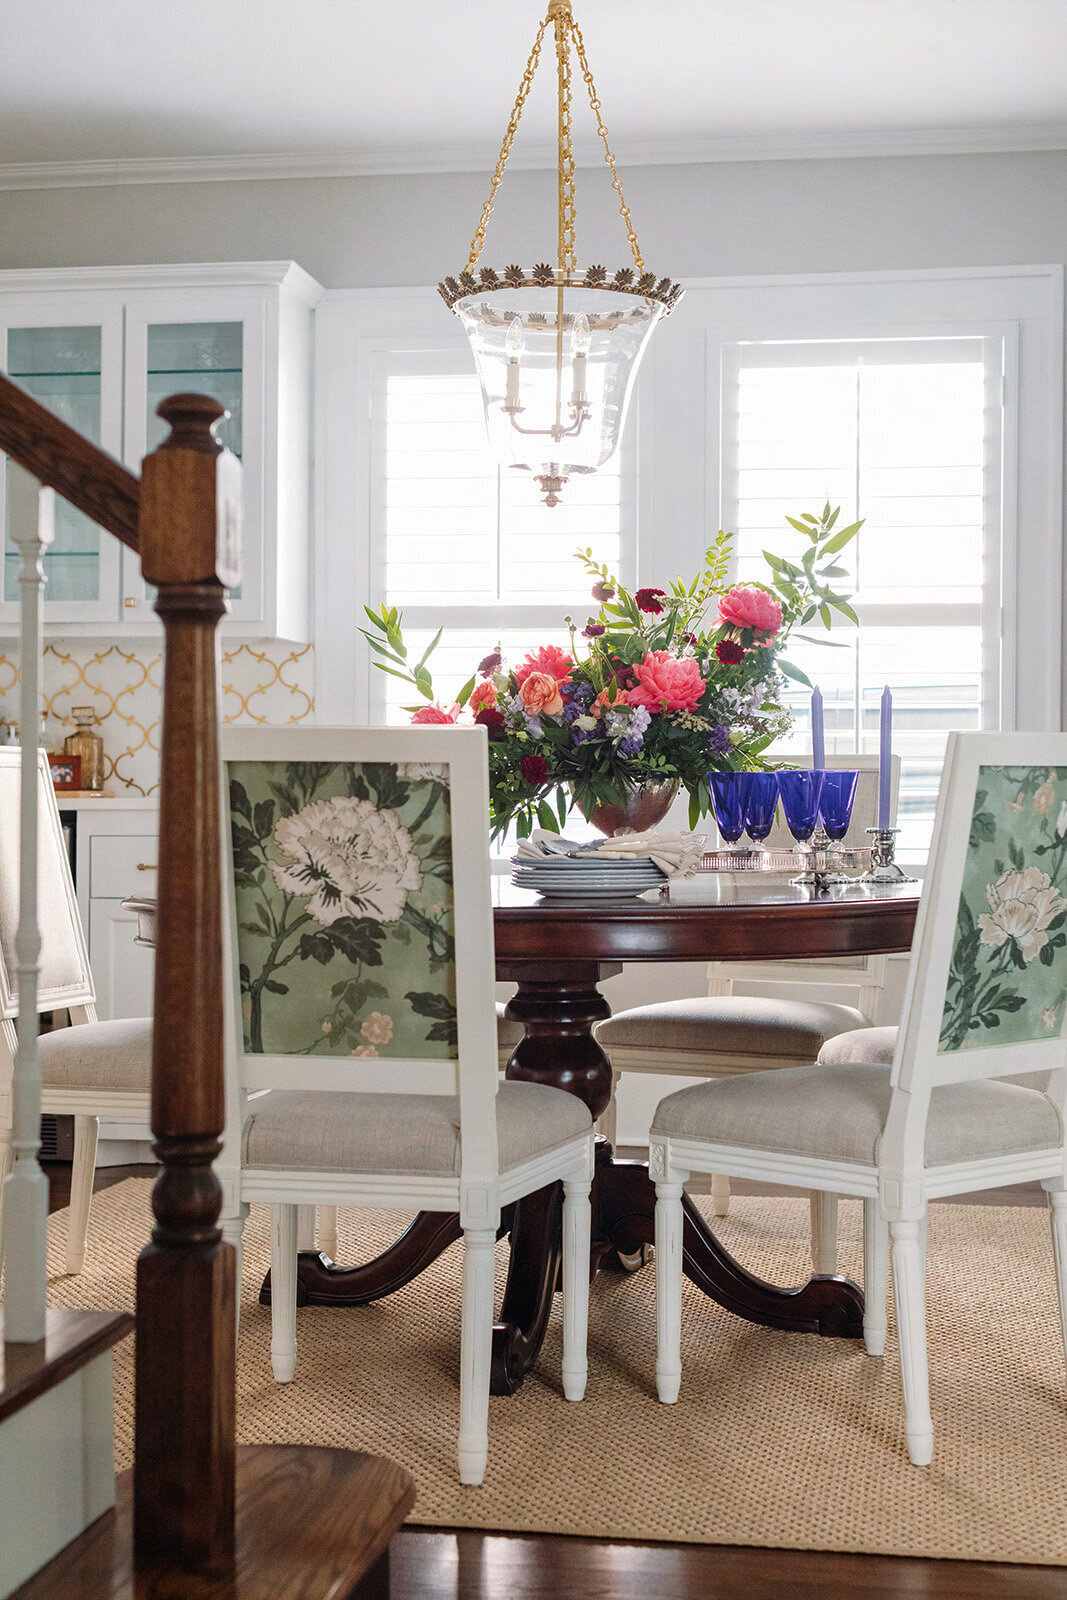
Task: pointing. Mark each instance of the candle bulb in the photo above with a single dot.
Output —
(580, 341)
(818, 736)
(885, 759)
(514, 345)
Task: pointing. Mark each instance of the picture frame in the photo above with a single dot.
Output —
(66, 771)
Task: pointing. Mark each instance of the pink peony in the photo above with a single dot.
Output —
(667, 683)
(744, 607)
(550, 659)
(483, 697)
(435, 713)
(750, 607)
(540, 693)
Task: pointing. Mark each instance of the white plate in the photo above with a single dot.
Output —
(565, 864)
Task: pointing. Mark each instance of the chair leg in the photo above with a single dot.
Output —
(720, 1194)
(668, 1291)
(576, 1229)
(283, 1291)
(1057, 1200)
(327, 1231)
(824, 1232)
(875, 1277)
(476, 1349)
(909, 1292)
(5, 1167)
(305, 1227)
(607, 1123)
(233, 1230)
(86, 1134)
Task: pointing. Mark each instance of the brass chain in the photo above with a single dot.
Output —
(505, 149)
(567, 209)
(594, 101)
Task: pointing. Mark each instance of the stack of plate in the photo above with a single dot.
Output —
(586, 877)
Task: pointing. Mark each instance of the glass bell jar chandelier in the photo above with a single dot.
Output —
(557, 349)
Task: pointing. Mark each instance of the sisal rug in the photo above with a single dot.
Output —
(778, 1440)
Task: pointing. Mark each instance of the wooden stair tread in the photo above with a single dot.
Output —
(72, 1339)
(312, 1522)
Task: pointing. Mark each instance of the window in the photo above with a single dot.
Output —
(467, 545)
(907, 434)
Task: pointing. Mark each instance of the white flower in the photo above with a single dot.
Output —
(351, 859)
(1061, 821)
(419, 771)
(1021, 906)
(377, 1028)
(1048, 1019)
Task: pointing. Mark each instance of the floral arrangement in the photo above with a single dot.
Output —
(657, 685)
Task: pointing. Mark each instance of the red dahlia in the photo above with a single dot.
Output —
(534, 769)
(649, 599)
(493, 720)
(489, 663)
(729, 652)
(603, 591)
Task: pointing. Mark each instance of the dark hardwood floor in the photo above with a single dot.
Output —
(438, 1564)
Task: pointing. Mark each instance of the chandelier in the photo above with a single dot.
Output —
(557, 349)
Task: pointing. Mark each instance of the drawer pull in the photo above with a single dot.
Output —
(147, 866)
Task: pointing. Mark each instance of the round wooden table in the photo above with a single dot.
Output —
(557, 955)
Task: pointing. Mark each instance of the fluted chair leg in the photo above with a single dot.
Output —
(6, 1162)
(476, 1350)
(1057, 1200)
(576, 1230)
(305, 1228)
(875, 1277)
(327, 1231)
(720, 1194)
(283, 1291)
(909, 1293)
(86, 1135)
(824, 1232)
(668, 1291)
(607, 1123)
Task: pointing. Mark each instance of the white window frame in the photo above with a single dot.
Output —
(678, 434)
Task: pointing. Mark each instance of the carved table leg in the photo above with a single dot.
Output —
(321, 1282)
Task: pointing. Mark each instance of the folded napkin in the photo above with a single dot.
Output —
(677, 855)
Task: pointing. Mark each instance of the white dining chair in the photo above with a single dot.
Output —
(721, 1033)
(985, 1010)
(360, 995)
(91, 1069)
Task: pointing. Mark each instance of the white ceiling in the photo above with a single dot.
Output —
(372, 86)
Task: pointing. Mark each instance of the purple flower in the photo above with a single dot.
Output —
(582, 692)
(580, 735)
(719, 740)
(630, 747)
(571, 711)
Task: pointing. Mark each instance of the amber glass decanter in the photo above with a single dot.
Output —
(87, 744)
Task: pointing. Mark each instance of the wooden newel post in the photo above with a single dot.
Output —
(184, 1455)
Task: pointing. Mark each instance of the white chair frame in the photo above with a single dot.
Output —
(481, 1190)
(897, 1191)
(66, 984)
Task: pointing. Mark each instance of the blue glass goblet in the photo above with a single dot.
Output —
(729, 806)
(835, 802)
(800, 793)
(759, 800)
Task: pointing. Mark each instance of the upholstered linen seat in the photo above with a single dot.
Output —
(740, 1028)
(879, 1045)
(508, 1034)
(413, 1134)
(100, 1055)
(838, 1113)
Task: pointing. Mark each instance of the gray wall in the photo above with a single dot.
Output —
(715, 220)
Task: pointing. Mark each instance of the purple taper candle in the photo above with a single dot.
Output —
(818, 737)
(885, 759)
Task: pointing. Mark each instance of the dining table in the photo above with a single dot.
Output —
(557, 953)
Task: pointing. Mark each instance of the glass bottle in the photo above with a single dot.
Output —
(87, 744)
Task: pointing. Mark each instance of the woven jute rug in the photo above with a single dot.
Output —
(778, 1439)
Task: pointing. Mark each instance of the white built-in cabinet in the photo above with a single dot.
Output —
(100, 348)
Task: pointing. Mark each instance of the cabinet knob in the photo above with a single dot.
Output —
(129, 602)
(147, 866)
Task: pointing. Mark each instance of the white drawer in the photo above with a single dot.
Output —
(122, 864)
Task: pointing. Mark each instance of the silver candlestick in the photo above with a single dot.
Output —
(821, 862)
(883, 868)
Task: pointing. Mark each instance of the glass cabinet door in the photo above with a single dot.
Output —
(66, 369)
(169, 352)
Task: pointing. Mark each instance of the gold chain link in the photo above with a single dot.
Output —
(567, 210)
(505, 149)
(594, 101)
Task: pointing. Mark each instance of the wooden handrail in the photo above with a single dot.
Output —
(63, 460)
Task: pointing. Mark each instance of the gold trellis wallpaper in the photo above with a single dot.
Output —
(266, 682)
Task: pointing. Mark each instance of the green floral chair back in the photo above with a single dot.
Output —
(1007, 979)
(344, 906)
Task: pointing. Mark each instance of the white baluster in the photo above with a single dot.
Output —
(32, 524)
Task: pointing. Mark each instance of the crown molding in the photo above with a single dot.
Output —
(436, 158)
(199, 275)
